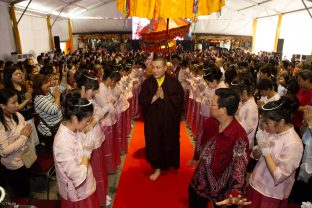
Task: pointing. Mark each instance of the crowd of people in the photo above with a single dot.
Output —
(241, 109)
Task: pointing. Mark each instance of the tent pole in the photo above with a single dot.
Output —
(305, 6)
(24, 12)
(278, 31)
(15, 29)
(50, 32)
(257, 4)
(57, 16)
(294, 11)
(167, 35)
(70, 31)
(254, 30)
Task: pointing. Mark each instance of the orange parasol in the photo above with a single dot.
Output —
(153, 9)
(159, 32)
(160, 47)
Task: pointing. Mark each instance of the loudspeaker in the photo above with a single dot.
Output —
(57, 42)
(280, 45)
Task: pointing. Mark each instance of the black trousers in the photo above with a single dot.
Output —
(19, 181)
(196, 201)
(48, 140)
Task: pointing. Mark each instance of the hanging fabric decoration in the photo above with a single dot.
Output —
(151, 25)
(127, 8)
(169, 8)
(195, 10)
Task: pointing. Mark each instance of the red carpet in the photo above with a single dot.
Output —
(135, 190)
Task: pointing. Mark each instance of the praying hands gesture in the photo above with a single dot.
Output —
(159, 94)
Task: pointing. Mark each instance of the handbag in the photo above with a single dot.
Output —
(53, 129)
(28, 156)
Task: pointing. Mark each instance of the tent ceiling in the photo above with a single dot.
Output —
(75, 9)
(96, 8)
(82, 11)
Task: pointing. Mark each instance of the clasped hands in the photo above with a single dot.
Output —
(263, 142)
(160, 93)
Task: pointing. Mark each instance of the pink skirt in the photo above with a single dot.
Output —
(200, 126)
(124, 137)
(116, 144)
(91, 202)
(129, 117)
(133, 105)
(186, 99)
(136, 102)
(109, 150)
(260, 201)
(195, 117)
(189, 112)
(98, 165)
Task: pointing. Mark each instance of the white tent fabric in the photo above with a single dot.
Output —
(296, 31)
(60, 28)
(7, 42)
(265, 34)
(34, 34)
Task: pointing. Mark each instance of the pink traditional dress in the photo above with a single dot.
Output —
(272, 191)
(200, 86)
(129, 96)
(108, 125)
(121, 106)
(190, 108)
(97, 160)
(134, 76)
(248, 118)
(204, 112)
(76, 183)
(182, 76)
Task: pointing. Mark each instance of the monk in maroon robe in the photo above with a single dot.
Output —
(161, 98)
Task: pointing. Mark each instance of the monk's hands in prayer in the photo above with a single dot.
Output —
(192, 163)
(157, 95)
(161, 93)
(158, 92)
(239, 201)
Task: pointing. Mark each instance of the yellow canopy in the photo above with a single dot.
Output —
(168, 8)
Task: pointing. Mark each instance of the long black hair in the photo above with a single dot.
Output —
(76, 106)
(86, 79)
(243, 82)
(5, 95)
(280, 109)
(213, 73)
(7, 76)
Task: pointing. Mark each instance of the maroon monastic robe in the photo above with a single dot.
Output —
(162, 122)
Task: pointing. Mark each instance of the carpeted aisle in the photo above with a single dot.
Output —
(135, 190)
